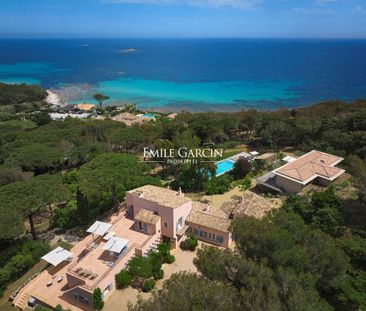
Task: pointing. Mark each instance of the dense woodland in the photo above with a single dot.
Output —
(308, 256)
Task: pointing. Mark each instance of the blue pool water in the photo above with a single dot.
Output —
(149, 115)
(224, 166)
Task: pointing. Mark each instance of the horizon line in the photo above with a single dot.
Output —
(180, 38)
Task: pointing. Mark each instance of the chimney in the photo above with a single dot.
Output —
(207, 209)
(180, 193)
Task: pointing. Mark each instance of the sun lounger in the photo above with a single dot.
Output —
(93, 276)
(49, 283)
(78, 269)
(60, 279)
(87, 273)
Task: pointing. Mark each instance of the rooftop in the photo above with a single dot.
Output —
(147, 216)
(249, 204)
(204, 207)
(96, 257)
(130, 119)
(208, 220)
(57, 256)
(311, 165)
(92, 262)
(124, 116)
(99, 228)
(85, 106)
(161, 196)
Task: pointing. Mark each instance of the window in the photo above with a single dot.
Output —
(209, 235)
(205, 234)
(220, 239)
(81, 298)
(180, 221)
(165, 225)
(195, 231)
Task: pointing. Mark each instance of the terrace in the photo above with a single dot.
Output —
(93, 260)
(97, 259)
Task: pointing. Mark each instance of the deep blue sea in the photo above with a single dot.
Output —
(196, 74)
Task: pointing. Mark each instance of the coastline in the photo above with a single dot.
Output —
(54, 99)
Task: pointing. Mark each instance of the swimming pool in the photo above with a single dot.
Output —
(224, 166)
(149, 115)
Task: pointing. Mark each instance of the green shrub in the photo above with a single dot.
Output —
(170, 259)
(155, 260)
(158, 275)
(27, 254)
(246, 183)
(190, 243)
(41, 308)
(148, 285)
(123, 279)
(140, 266)
(65, 218)
(164, 252)
(217, 185)
(98, 302)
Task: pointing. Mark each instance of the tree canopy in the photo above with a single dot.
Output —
(24, 199)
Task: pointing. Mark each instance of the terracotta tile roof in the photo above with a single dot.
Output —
(203, 207)
(85, 106)
(208, 220)
(162, 196)
(129, 118)
(249, 204)
(147, 216)
(311, 165)
(124, 117)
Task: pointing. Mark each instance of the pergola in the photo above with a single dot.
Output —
(57, 256)
(115, 245)
(99, 228)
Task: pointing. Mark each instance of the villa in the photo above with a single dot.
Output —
(313, 167)
(153, 214)
(85, 106)
(131, 119)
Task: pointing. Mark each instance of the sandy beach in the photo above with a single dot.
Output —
(53, 98)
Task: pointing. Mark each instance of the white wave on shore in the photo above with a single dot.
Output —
(54, 99)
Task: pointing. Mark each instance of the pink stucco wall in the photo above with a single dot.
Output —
(169, 216)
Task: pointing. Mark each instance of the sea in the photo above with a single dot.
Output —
(190, 74)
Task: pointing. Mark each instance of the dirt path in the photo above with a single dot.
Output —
(118, 301)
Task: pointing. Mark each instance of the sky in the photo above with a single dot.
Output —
(183, 18)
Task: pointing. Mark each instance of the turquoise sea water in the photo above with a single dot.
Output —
(20, 80)
(191, 74)
(152, 93)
